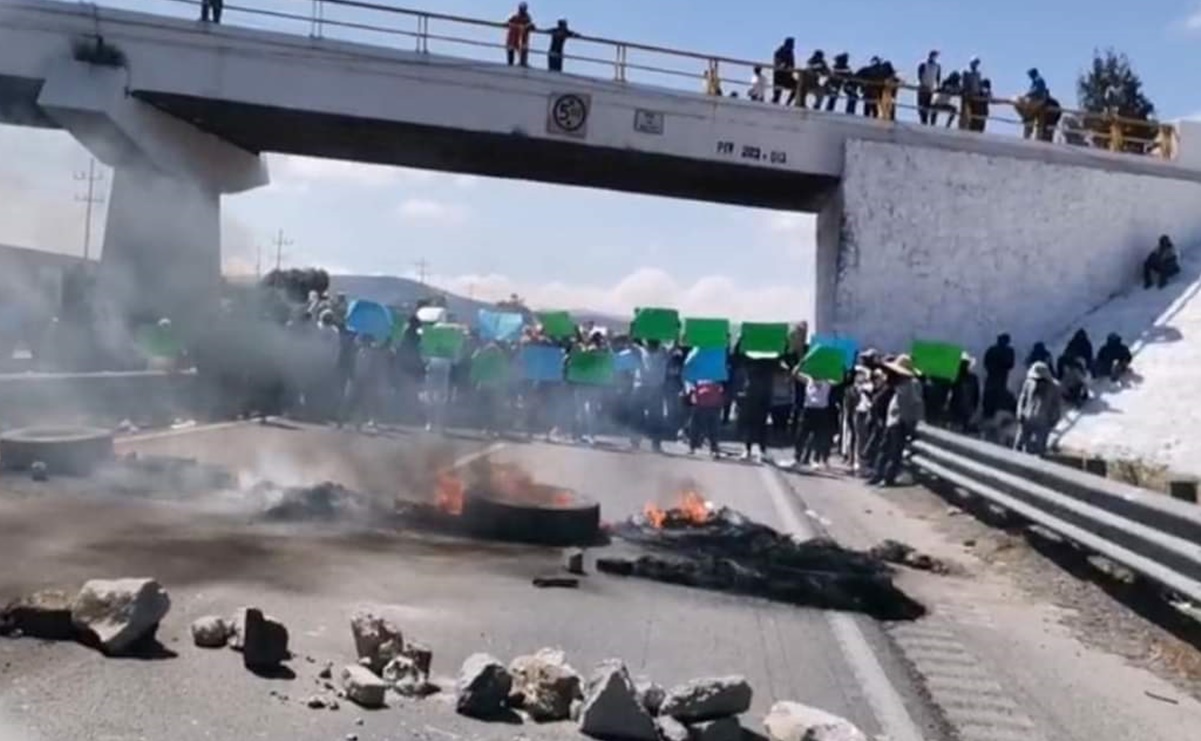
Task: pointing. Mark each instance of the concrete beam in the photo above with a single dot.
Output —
(90, 102)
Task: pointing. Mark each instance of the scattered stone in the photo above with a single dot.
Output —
(899, 553)
(358, 721)
(671, 729)
(573, 561)
(483, 687)
(611, 708)
(315, 702)
(721, 729)
(362, 687)
(650, 694)
(376, 639)
(211, 632)
(38, 472)
(352, 737)
(577, 707)
(404, 676)
(45, 615)
(562, 582)
(969, 543)
(421, 655)
(794, 721)
(119, 613)
(544, 685)
(327, 671)
(264, 641)
(954, 511)
(707, 699)
(332, 704)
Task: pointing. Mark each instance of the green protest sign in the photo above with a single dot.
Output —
(937, 359)
(490, 367)
(158, 341)
(592, 367)
(442, 341)
(656, 324)
(557, 324)
(764, 338)
(825, 364)
(706, 333)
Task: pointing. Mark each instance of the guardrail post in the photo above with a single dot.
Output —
(1184, 489)
(619, 63)
(1097, 466)
(423, 33)
(317, 25)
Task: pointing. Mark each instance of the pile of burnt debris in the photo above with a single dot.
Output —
(696, 544)
(325, 502)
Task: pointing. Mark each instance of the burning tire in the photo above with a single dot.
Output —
(74, 451)
(561, 522)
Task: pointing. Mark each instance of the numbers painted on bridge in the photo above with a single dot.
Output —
(752, 153)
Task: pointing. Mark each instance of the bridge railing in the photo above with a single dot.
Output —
(483, 41)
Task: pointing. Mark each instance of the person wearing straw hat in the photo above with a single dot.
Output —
(905, 410)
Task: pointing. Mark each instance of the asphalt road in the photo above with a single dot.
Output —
(459, 597)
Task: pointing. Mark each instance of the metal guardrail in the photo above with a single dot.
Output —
(365, 21)
(1148, 533)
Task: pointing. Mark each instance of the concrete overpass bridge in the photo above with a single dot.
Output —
(920, 229)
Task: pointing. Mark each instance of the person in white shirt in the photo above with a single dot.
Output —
(929, 79)
(814, 434)
(758, 89)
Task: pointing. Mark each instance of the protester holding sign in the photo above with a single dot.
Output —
(649, 402)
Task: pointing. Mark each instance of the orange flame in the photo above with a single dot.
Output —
(690, 508)
(449, 493)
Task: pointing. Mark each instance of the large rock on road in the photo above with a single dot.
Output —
(117, 614)
(545, 685)
(483, 687)
(794, 721)
(376, 639)
(611, 708)
(707, 699)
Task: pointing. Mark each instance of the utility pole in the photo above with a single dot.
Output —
(89, 197)
(422, 270)
(280, 242)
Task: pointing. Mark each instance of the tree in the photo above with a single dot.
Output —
(1112, 87)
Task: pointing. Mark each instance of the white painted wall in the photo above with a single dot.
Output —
(300, 73)
(960, 246)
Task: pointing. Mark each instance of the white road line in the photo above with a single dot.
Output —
(147, 436)
(463, 460)
(886, 702)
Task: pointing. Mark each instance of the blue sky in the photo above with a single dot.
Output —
(618, 249)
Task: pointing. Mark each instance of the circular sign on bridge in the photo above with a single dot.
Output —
(569, 114)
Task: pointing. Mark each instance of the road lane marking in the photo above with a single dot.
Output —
(886, 703)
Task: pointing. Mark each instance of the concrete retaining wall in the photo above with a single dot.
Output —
(960, 246)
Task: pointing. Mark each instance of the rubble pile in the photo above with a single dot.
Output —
(902, 554)
(696, 544)
(324, 502)
(794, 721)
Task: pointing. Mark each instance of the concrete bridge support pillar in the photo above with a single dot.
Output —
(162, 244)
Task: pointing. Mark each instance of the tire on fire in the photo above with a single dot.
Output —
(574, 522)
(74, 451)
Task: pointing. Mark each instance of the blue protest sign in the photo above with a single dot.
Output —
(369, 318)
(846, 345)
(706, 364)
(503, 326)
(627, 361)
(541, 363)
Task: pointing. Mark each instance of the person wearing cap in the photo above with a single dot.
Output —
(929, 79)
(839, 79)
(558, 38)
(1039, 409)
(517, 36)
(905, 410)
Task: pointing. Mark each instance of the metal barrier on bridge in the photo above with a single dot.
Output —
(633, 63)
(1150, 534)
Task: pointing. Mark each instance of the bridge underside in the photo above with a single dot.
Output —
(265, 129)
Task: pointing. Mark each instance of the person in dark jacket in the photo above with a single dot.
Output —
(1039, 354)
(1080, 346)
(999, 361)
(965, 398)
(1113, 359)
(558, 38)
(1161, 265)
(784, 63)
(839, 79)
(809, 80)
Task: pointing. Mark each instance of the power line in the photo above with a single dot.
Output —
(422, 270)
(280, 242)
(91, 177)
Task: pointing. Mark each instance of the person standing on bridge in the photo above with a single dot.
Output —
(929, 79)
(558, 37)
(517, 39)
(211, 9)
(784, 63)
